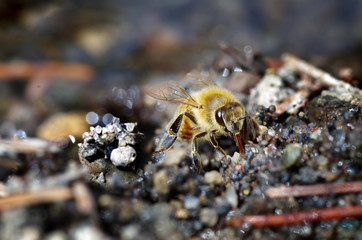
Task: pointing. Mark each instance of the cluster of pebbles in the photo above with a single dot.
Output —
(106, 148)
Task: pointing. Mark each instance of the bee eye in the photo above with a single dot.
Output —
(219, 115)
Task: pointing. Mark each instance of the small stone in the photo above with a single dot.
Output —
(285, 133)
(122, 156)
(316, 134)
(191, 202)
(208, 216)
(236, 176)
(307, 175)
(182, 213)
(322, 162)
(174, 156)
(246, 191)
(291, 155)
(160, 182)
(232, 197)
(56, 235)
(130, 126)
(213, 177)
(236, 158)
(131, 231)
(270, 133)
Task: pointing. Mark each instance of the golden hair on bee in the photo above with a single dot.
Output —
(206, 113)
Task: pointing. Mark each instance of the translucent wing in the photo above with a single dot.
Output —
(196, 81)
(173, 92)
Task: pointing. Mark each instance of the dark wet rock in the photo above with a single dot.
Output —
(324, 109)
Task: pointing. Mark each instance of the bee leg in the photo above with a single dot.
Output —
(170, 139)
(195, 155)
(216, 145)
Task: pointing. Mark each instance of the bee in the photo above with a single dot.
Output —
(206, 114)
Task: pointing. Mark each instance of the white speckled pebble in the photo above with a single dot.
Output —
(122, 156)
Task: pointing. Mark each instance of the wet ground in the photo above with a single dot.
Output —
(78, 130)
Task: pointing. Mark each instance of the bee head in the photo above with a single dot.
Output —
(231, 118)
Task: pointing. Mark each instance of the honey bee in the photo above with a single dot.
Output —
(206, 114)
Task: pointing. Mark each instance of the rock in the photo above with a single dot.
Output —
(292, 153)
(324, 109)
(191, 202)
(177, 155)
(123, 156)
(270, 91)
(160, 182)
(208, 216)
(213, 177)
(232, 197)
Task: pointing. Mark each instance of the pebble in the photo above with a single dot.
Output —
(123, 156)
(174, 156)
(322, 162)
(208, 216)
(182, 213)
(191, 202)
(213, 177)
(232, 197)
(292, 154)
(56, 235)
(270, 133)
(131, 231)
(160, 182)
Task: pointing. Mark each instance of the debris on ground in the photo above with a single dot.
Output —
(300, 179)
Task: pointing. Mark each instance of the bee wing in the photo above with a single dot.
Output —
(196, 80)
(172, 92)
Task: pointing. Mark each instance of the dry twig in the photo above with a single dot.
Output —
(83, 198)
(33, 198)
(298, 217)
(48, 70)
(318, 189)
(316, 73)
(29, 145)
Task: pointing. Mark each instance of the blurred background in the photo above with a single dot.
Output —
(122, 44)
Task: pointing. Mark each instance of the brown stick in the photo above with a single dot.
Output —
(318, 189)
(32, 198)
(298, 217)
(45, 70)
